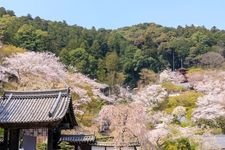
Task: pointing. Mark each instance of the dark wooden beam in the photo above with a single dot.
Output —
(50, 139)
(14, 135)
(6, 138)
(56, 137)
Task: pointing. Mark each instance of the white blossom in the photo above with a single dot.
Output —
(121, 118)
(171, 76)
(210, 106)
(44, 65)
(212, 84)
(151, 95)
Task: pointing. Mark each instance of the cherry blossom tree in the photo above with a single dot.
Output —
(210, 106)
(43, 70)
(126, 122)
(44, 65)
(37, 70)
(151, 95)
(212, 85)
(171, 76)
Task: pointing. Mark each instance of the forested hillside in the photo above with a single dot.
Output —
(102, 67)
(116, 56)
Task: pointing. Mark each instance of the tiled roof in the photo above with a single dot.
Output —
(78, 138)
(35, 108)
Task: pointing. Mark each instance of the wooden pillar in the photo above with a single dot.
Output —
(6, 139)
(53, 138)
(76, 147)
(50, 139)
(56, 137)
(14, 135)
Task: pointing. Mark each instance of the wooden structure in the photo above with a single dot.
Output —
(88, 142)
(80, 142)
(32, 110)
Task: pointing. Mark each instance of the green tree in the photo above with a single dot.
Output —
(5, 21)
(101, 70)
(79, 59)
(111, 62)
(58, 36)
(2, 11)
(65, 56)
(30, 38)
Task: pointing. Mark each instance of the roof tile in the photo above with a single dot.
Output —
(78, 138)
(34, 107)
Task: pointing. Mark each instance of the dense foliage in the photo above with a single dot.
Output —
(179, 144)
(116, 56)
(162, 112)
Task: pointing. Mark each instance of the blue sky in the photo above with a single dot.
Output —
(113, 14)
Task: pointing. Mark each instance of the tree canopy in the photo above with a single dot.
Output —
(107, 54)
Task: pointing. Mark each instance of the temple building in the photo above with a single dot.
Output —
(50, 111)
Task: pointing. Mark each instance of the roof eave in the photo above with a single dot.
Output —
(30, 125)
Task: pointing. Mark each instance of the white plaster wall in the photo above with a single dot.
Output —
(111, 148)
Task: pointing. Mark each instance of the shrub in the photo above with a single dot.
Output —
(217, 123)
(170, 87)
(147, 77)
(8, 50)
(41, 146)
(65, 146)
(178, 144)
(1, 132)
(195, 70)
(221, 123)
(187, 99)
(1, 91)
(91, 110)
(206, 123)
(10, 86)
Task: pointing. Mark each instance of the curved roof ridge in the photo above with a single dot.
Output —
(25, 109)
(55, 92)
(37, 91)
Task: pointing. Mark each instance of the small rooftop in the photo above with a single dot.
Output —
(36, 109)
(78, 138)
